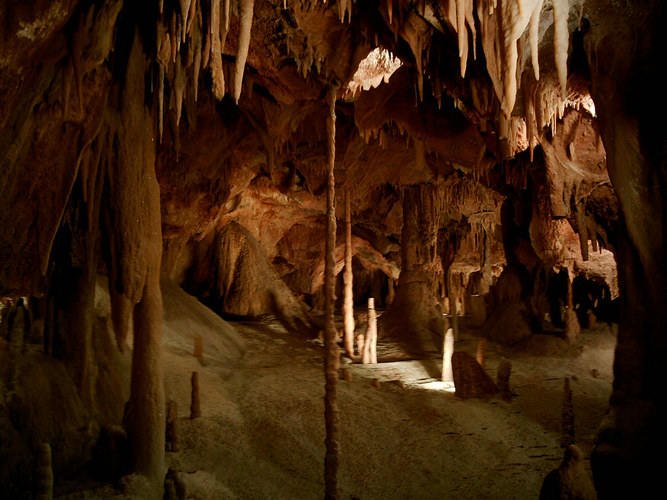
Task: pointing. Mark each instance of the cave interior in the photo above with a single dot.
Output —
(206, 177)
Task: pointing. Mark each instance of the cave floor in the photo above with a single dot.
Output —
(261, 434)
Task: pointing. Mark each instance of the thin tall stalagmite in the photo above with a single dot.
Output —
(332, 357)
(370, 343)
(195, 403)
(567, 418)
(453, 305)
(199, 349)
(348, 311)
(448, 350)
(572, 327)
(481, 352)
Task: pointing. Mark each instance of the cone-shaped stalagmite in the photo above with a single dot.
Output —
(332, 357)
(348, 297)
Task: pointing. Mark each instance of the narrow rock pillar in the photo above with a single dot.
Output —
(348, 297)
(332, 357)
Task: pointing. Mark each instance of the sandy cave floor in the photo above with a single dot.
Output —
(261, 434)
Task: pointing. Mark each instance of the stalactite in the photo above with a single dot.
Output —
(246, 8)
(332, 358)
(192, 14)
(160, 101)
(227, 13)
(215, 61)
(76, 51)
(185, 13)
(561, 10)
(179, 90)
(582, 226)
(197, 42)
(348, 295)
(533, 30)
(462, 32)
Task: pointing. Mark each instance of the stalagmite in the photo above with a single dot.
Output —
(481, 352)
(572, 327)
(370, 342)
(567, 418)
(561, 10)
(391, 291)
(570, 479)
(448, 350)
(195, 401)
(348, 296)
(503, 379)
(246, 8)
(332, 357)
(171, 437)
(453, 306)
(44, 473)
(199, 349)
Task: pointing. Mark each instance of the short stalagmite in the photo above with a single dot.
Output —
(195, 402)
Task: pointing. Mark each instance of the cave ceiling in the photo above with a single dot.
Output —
(484, 100)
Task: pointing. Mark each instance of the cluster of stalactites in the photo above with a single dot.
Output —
(191, 36)
(502, 23)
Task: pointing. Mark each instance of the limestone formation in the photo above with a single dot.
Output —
(172, 439)
(567, 418)
(369, 354)
(480, 356)
(484, 146)
(44, 473)
(199, 349)
(195, 401)
(448, 351)
(470, 379)
(504, 371)
(570, 480)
